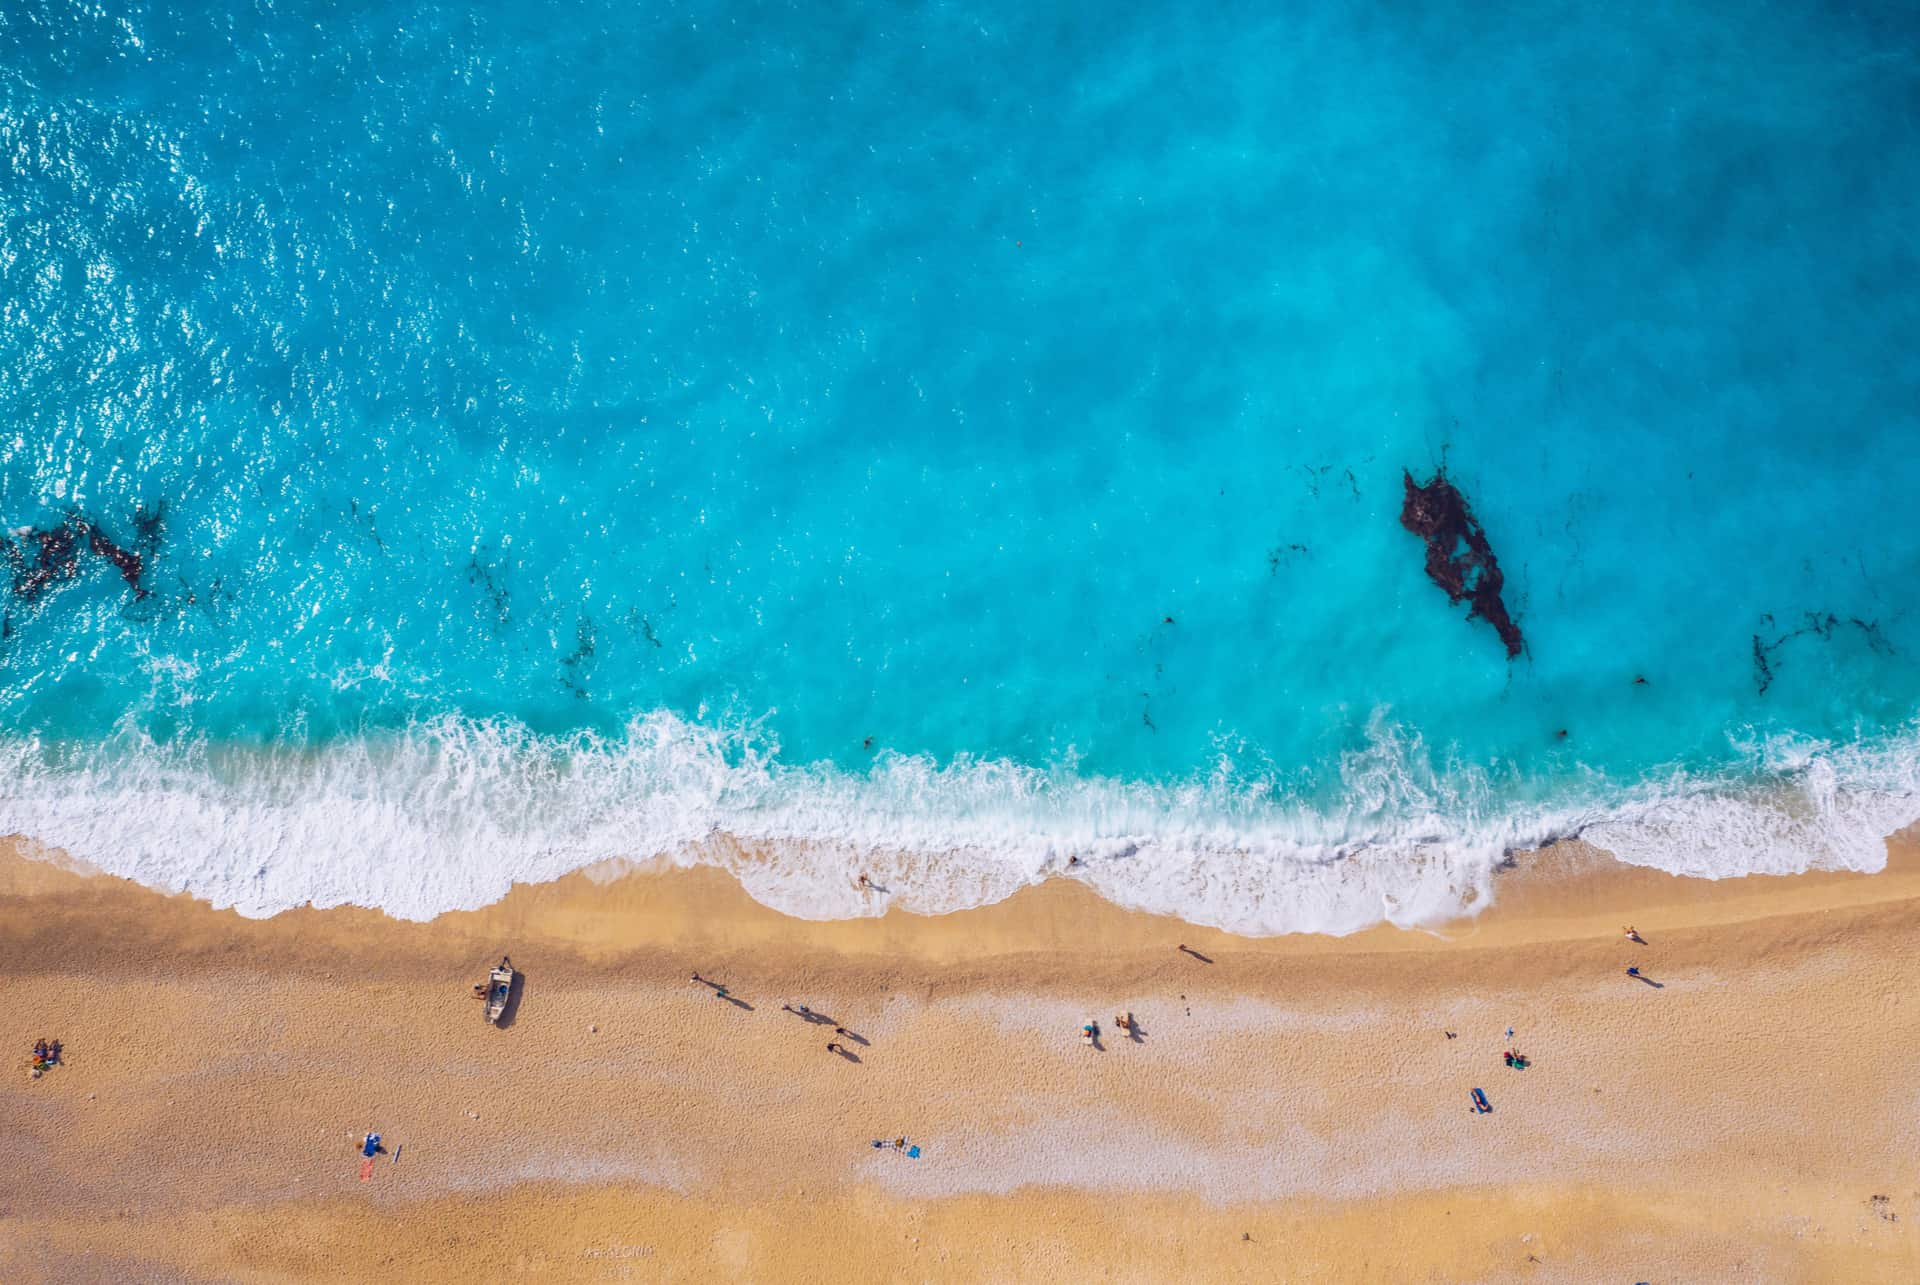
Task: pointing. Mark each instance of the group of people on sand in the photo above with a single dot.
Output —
(1090, 1032)
(46, 1053)
(1518, 1061)
(798, 1010)
(802, 1011)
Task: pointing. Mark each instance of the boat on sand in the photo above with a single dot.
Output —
(498, 989)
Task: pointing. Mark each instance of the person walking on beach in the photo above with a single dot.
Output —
(833, 1047)
(1633, 934)
(1633, 970)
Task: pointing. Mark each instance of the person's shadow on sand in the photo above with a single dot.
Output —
(813, 1015)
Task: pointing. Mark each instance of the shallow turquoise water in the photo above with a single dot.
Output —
(967, 432)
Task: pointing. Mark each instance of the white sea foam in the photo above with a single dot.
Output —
(449, 813)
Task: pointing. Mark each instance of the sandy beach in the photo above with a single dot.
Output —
(1292, 1109)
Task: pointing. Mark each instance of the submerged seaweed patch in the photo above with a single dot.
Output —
(576, 668)
(41, 557)
(482, 573)
(1459, 559)
(1820, 625)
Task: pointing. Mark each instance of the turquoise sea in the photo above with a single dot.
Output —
(940, 440)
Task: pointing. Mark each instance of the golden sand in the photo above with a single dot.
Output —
(1292, 1111)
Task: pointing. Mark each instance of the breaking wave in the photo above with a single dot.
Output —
(449, 813)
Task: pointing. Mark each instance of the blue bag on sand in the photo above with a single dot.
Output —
(914, 1152)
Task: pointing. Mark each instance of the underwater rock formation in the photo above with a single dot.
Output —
(56, 553)
(1459, 559)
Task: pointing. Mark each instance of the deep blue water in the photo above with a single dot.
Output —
(900, 427)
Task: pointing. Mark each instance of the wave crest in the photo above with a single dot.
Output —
(449, 813)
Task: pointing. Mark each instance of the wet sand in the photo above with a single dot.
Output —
(1292, 1110)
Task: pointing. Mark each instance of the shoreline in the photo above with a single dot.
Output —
(1300, 1090)
(454, 813)
(1566, 890)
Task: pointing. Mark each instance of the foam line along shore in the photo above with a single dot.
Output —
(450, 814)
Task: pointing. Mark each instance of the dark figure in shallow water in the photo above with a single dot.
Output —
(1459, 559)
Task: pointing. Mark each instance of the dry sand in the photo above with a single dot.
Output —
(1293, 1110)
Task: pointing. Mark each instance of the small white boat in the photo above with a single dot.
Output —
(499, 989)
